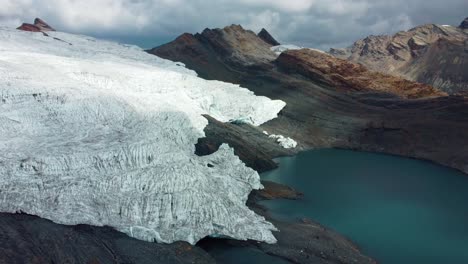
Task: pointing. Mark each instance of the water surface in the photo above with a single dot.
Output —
(397, 210)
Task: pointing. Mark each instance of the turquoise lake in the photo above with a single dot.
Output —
(396, 210)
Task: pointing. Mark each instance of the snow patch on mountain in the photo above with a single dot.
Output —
(285, 142)
(100, 133)
(282, 48)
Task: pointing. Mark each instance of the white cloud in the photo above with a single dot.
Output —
(266, 19)
(288, 6)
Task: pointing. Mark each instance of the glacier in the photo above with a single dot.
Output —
(101, 133)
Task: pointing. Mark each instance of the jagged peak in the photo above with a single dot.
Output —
(42, 24)
(464, 24)
(185, 36)
(234, 27)
(267, 37)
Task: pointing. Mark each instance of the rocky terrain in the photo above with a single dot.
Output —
(29, 239)
(349, 77)
(38, 26)
(432, 54)
(330, 103)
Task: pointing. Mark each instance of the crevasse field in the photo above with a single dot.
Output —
(95, 132)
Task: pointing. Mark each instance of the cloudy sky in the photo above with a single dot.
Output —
(311, 23)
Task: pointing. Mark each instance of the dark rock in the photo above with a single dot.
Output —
(265, 36)
(464, 24)
(249, 143)
(215, 50)
(29, 239)
(309, 242)
(42, 25)
(273, 190)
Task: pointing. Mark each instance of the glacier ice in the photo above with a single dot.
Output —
(100, 133)
(285, 142)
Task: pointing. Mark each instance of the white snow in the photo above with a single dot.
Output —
(101, 133)
(285, 142)
(282, 48)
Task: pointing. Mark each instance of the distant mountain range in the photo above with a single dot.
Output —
(433, 54)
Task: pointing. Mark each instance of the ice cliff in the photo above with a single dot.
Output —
(95, 132)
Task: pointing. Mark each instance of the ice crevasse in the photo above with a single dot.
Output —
(100, 133)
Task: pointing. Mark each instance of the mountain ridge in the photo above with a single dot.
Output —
(431, 54)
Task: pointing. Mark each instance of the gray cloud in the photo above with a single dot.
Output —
(313, 23)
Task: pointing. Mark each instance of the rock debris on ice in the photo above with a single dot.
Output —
(101, 133)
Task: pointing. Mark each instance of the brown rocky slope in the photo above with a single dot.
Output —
(350, 77)
(432, 54)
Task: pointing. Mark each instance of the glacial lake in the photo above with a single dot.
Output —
(397, 210)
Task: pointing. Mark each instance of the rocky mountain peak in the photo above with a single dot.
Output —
(431, 54)
(464, 24)
(238, 44)
(38, 26)
(234, 27)
(266, 36)
(43, 25)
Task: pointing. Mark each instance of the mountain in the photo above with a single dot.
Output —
(265, 36)
(464, 24)
(330, 102)
(432, 54)
(201, 52)
(347, 76)
(38, 26)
